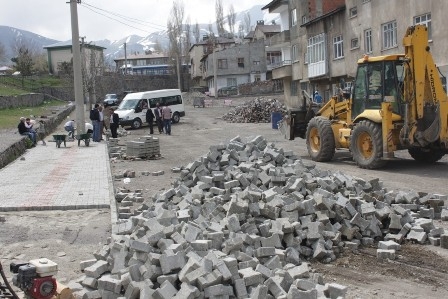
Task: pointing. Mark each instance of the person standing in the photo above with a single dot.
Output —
(114, 120)
(158, 115)
(102, 124)
(166, 116)
(317, 98)
(150, 120)
(95, 118)
(41, 132)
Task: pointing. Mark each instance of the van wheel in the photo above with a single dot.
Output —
(136, 123)
(175, 118)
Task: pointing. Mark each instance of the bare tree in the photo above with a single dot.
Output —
(196, 33)
(247, 25)
(175, 24)
(219, 18)
(41, 64)
(187, 35)
(231, 17)
(91, 68)
(158, 46)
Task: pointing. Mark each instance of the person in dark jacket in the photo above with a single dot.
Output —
(114, 120)
(23, 130)
(150, 120)
(95, 118)
(158, 115)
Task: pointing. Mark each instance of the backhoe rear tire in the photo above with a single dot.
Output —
(426, 155)
(320, 139)
(366, 145)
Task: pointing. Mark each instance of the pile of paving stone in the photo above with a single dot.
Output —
(244, 220)
(257, 111)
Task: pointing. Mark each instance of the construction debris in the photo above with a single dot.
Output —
(244, 220)
(256, 111)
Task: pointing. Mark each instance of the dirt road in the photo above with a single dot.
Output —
(419, 272)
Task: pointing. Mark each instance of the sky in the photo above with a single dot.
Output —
(107, 19)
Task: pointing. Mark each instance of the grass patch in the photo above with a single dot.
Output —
(16, 85)
(9, 118)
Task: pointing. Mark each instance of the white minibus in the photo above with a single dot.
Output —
(132, 110)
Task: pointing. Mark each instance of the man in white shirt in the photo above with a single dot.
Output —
(70, 128)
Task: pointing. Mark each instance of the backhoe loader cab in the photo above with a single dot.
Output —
(376, 82)
(398, 102)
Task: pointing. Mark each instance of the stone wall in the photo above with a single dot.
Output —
(26, 100)
(16, 149)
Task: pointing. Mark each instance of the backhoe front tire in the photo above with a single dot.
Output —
(366, 145)
(426, 155)
(320, 139)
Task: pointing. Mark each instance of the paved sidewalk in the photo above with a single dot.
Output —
(51, 178)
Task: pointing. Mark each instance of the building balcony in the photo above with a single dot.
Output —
(281, 39)
(282, 70)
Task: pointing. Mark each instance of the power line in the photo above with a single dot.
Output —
(99, 11)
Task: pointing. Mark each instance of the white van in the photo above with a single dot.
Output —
(132, 110)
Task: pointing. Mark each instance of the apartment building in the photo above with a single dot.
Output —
(327, 37)
(151, 63)
(240, 64)
(62, 53)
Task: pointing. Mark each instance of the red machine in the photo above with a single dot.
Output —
(35, 278)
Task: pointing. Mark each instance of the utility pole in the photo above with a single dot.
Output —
(79, 101)
(125, 60)
(215, 71)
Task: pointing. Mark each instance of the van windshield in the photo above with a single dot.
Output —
(128, 104)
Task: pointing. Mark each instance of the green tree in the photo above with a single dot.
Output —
(23, 61)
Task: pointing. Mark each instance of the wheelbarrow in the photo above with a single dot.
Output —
(59, 139)
(83, 137)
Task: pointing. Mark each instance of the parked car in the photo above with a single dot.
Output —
(227, 91)
(111, 99)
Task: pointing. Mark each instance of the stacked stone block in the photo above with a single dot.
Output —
(244, 220)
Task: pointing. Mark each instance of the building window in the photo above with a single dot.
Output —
(294, 88)
(304, 19)
(316, 49)
(389, 35)
(222, 63)
(256, 62)
(295, 52)
(257, 78)
(240, 62)
(368, 41)
(353, 12)
(231, 82)
(424, 20)
(294, 17)
(338, 47)
(354, 43)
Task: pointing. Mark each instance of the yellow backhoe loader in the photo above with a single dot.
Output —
(397, 102)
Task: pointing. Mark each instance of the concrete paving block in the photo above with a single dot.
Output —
(86, 263)
(106, 282)
(419, 237)
(168, 263)
(187, 292)
(172, 278)
(444, 241)
(389, 245)
(233, 223)
(334, 290)
(294, 293)
(384, 254)
(165, 291)
(259, 292)
(436, 232)
(97, 269)
(251, 277)
(90, 282)
(272, 241)
(92, 295)
(275, 288)
(434, 241)
(444, 215)
(301, 271)
(264, 251)
(218, 291)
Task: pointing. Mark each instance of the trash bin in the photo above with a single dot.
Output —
(275, 118)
